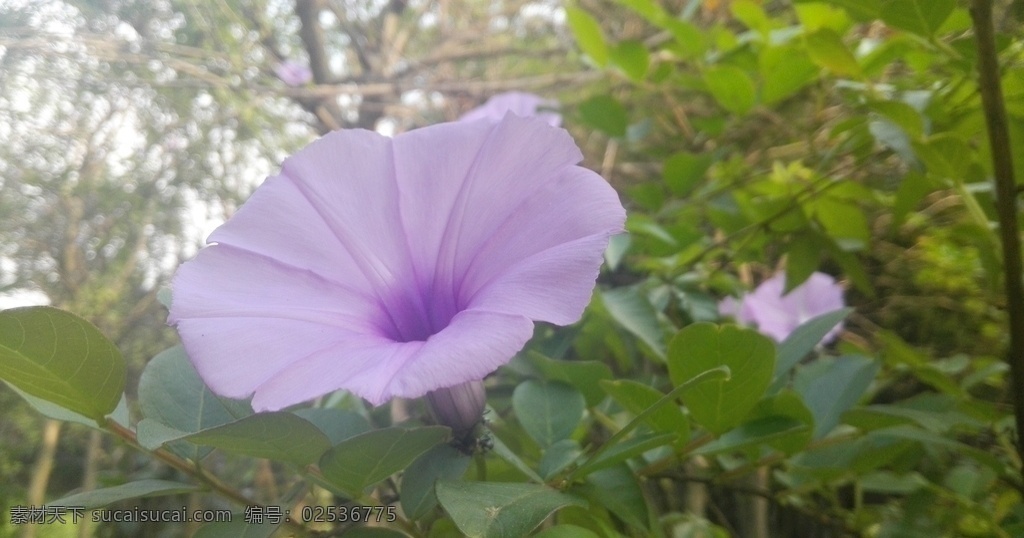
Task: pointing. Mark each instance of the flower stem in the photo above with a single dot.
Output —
(192, 469)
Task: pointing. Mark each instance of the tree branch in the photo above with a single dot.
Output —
(194, 470)
(312, 36)
(989, 84)
(327, 111)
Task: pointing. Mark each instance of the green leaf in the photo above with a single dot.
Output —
(843, 221)
(642, 226)
(548, 411)
(584, 375)
(174, 399)
(648, 9)
(510, 457)
(566, 531)
(604, 113)
(732, 88)
(902, 114)
(689, 39)
(617, 490)
(784, 71)
(441, 462)
(54, 411)
(649, 196)
(933, 440)
(373, 532)
(636, 398)
(913, 188)
(787, 404)
(278, 436)
(499, 510)
(898, 352)
(623, 449)
(618, 246)
(697, 304)
(815, 16)
(588, 34)
(869, 418)
(61, 358)
(236, 528)
(893, 137)
(830, 386)
(164, 296)
(632, 57)
(368, 458)
(751, 15)
(683, 171)
(965, 480)
(336, 424)
(802, 340)
(827, 50)
(889, 483)
(922, 17)
(803, 255)
(873, 417)
(852, 267)
(153, 434)
(99, 498)
(558, 456)
(750, 356)
(945, 157)
(631, 309)
(756, 432)
(863, 10)
(713, 375)
(861, 455)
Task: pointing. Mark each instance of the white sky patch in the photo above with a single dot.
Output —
(548, 12)
(387, 127)
(20, 298)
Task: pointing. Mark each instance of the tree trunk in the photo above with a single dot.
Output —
(36, 495)
(92, 456)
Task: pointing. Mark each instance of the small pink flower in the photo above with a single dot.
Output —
(518, 103)
(293, 74)
(777, 315)
(395, 266)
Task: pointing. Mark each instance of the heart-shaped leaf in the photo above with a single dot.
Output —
(61, 358)
(499, 510)
(368, 458)
(722, 404)
(175, 403)
(549, 412)
(278, 436)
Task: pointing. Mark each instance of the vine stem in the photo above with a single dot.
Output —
(193, 470)
(989, 84)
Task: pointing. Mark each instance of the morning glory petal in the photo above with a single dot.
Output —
(395, 267)
(777, 315)
(519, 103)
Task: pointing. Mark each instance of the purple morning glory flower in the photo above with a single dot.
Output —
(394, 267)
(293, 73)
(777, 315)
(519, 103)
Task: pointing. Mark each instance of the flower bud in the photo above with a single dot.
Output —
(459, 407)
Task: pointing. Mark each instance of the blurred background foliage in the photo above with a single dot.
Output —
(746, 137)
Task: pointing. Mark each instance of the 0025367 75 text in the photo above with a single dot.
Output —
(321, 514)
